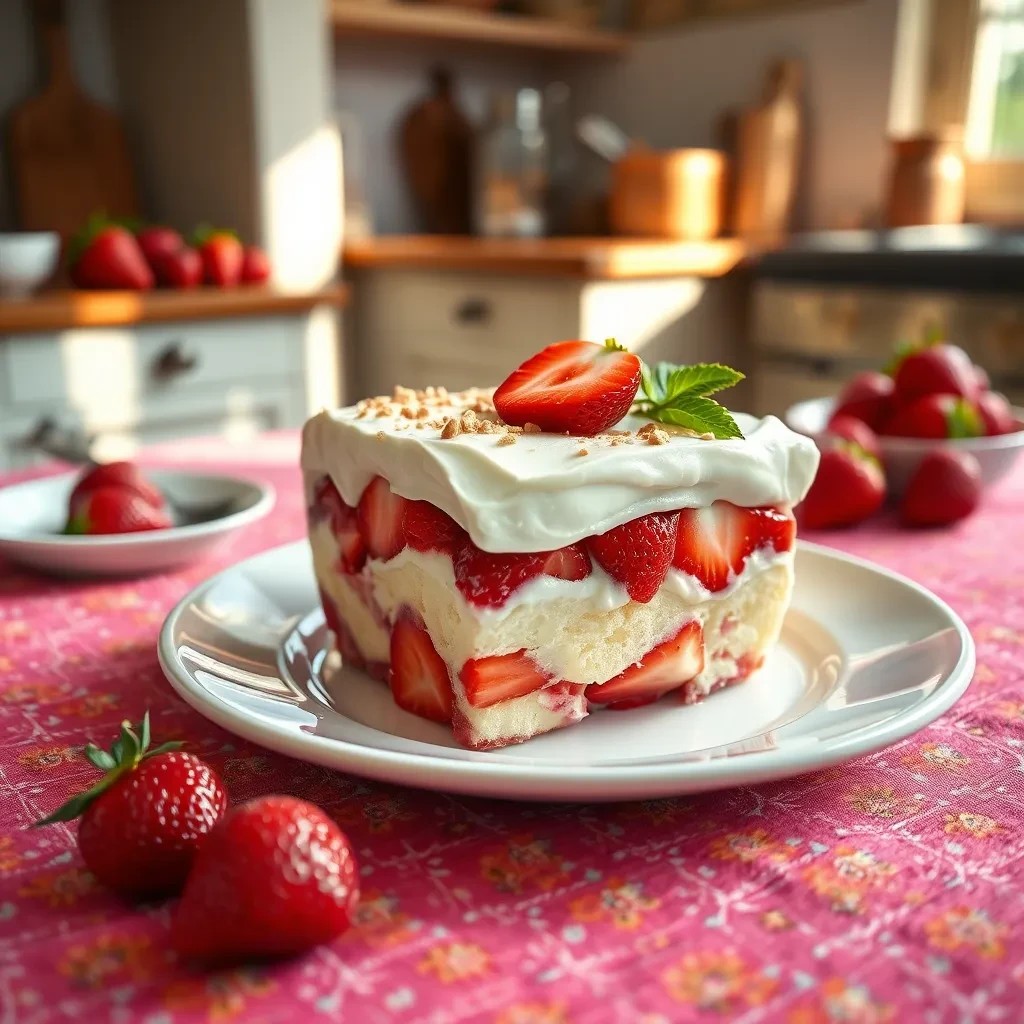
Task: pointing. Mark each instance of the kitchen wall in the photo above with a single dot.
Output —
(21, 75)
(673, 87)
(377, 82)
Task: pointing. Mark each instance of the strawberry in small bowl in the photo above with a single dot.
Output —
(931, 397)
(114, 520)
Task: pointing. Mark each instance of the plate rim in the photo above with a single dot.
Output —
(261, 507)
(472, 775)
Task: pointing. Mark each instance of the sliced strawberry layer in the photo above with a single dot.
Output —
(487, 578)
(419, 677)
(380, 517)
(662, 669)
(714, 543)
(500, 677)
(427, 528)
(569, 563)
(571, 387)
(638, 553)
(327, 501)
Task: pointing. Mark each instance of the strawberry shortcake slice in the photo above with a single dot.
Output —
(593, 534)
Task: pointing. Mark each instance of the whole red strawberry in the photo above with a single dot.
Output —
(571, 387)
(144, 821)
(255, 265)
(945, 488)
(638, 553)
(275, 879)
(996, 414)
(221, 255)
(937, 369)
(180, 269)
(107, 510)
(936, 416)
(857, 431)
(867, 397)
(108, 256)
(848, 487)
(116, 474)
(158, 241)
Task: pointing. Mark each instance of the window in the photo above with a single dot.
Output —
(994, 128)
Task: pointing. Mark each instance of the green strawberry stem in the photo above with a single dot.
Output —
(204, 232)
(128, 751)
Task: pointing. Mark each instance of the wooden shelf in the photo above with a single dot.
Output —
(363, 18)
(62, 310)
(594, 259)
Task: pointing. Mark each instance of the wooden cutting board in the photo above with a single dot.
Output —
(69, 158)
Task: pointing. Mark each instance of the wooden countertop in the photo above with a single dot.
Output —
(587, 258)
(60, 310)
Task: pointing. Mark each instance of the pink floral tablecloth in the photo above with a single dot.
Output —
(889, 889)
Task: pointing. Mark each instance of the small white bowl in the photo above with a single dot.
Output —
(902, 455)
(27, 261)
(33, 514)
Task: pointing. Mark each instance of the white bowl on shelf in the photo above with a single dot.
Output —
(27, 261)
(902, 455)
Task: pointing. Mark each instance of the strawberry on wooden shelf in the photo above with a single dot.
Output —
(277, 878)
(570, 387)
(144, 821)
(499, 677)
(945, 488)
(181, 269)
(221, 254)
(638, 553)
(664, 668)
(157, 241)
(714, 543)
(106, 255)
(419, 677)
(255, 265)
(380, 515)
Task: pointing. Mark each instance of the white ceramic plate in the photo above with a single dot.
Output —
(866, 658)
(32, 516)
(995, 455)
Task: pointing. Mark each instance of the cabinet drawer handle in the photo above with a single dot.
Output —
(174, 360)
(473, 311)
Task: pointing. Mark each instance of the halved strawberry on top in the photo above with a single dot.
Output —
(570, 387)
(638, 553)
(328, 501)
(499, 677)
(381, 515)
(419, 676)
(713, 543)
(662, 669)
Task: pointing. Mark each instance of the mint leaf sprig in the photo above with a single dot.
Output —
(680, 395)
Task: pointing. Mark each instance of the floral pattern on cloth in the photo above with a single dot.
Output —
(890, 889)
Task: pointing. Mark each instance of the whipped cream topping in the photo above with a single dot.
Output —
(539, 492)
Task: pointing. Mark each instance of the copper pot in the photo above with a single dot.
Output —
(926, 183)
(677, 193)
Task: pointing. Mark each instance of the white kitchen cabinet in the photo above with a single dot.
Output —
(420, 327)
(125, 387)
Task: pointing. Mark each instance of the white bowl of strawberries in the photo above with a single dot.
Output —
(113, 520)
(932, 408)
